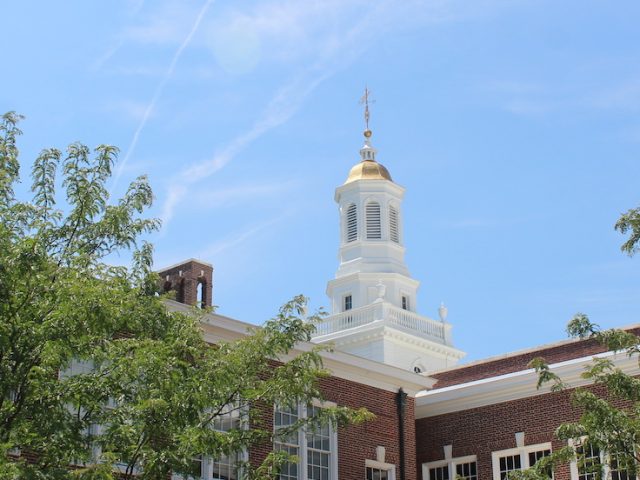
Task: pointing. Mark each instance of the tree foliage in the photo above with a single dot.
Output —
(629, 223)
(152, 389)
(610, 423)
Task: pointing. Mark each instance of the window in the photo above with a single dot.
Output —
(617, 471)
(467, 471)
(347, 303)
(519, 458)
(460, 468)
(439, 473)
(378, 470)
(373, 473)
(352, 224)
(509, 463)
(589, 463)
(318, 450)
(315, 448)
(593, 463)
(405, 302)
(224, 467)
(394, 231)
(374, 228)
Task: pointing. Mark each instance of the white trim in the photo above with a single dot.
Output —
(450, 462)
(180, 264)
(605, 461)
(512, 386)
(302, 446)
(389, 467)
(523, 452)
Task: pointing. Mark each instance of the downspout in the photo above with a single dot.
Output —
(401, 402)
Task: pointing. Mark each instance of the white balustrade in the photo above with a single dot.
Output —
(390, 314)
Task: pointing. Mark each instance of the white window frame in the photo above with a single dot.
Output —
(344, 302)
(523, 451)
(206, 469)
(450, 463)
(302, 443)
(605, 461)
(390, 468)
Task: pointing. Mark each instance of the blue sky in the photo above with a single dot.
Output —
(514, 126)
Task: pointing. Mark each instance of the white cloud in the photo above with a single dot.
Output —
(174, 194)
(236, 238)
(240, 193)
(158, 91)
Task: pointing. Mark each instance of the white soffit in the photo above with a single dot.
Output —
(511, 386)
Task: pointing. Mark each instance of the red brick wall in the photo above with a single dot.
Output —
(184, 280)
(358, 443)
(480, 431)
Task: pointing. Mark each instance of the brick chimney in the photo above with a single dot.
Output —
(192, 280)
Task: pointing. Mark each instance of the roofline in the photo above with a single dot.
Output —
(218, 328)
(189, 260)
(512, 386)
(524, 351)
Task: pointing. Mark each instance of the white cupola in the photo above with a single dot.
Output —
(373, 297)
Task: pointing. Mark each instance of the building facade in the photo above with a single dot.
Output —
(434, 420)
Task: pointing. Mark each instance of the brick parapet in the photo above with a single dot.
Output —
(518, 361)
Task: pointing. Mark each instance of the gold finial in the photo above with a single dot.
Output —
(366, 98)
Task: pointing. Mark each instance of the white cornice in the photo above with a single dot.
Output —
(350, 277)
(369, 185)
(218, 328)
(183, 263)
(378, 330)
(511, 386)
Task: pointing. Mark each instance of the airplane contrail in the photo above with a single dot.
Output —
(158, 92)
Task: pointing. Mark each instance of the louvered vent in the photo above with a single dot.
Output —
(393, 225)
(374, 230)
(352, 224)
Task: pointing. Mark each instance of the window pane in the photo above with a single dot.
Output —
(509, 463)
(439, 473)
(619, 472)
(285, 416)
(537, 455)
(589, 464)
(466, 471)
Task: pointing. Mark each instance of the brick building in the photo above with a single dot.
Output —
(434, 420)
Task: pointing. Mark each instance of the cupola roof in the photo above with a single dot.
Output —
(368, 168)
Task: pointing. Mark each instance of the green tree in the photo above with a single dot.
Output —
(151, 389)
(610, 423)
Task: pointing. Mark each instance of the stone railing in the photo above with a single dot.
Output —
(390, 315)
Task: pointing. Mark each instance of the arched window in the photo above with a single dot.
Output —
(352, 224)
(200, 300)
(374, 230)
(394, 232)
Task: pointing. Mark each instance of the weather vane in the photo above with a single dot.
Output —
(366, 98)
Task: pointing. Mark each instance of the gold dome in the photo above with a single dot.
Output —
(368, 170)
